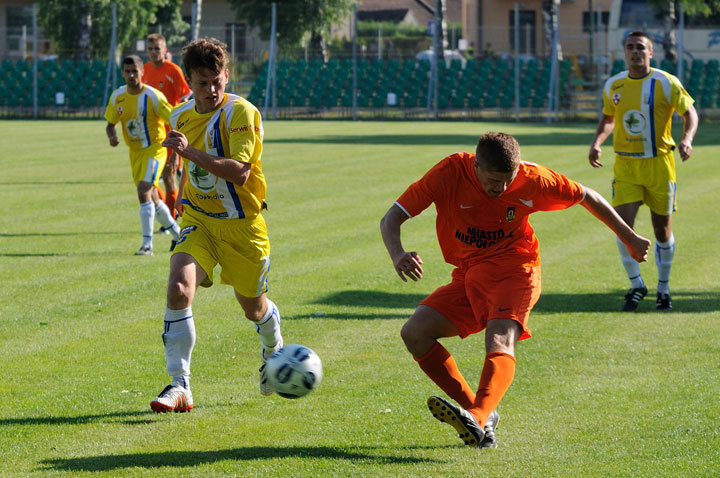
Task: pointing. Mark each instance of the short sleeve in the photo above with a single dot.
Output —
(679, 97)
(246, 133)
(111, 114)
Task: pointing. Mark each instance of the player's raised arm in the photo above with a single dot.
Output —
(406, 263)
(597, 205)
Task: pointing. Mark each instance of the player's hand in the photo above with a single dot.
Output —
(113, 141)
(685, 148)
(594, 156)
(177, 141)
(179, 205)
(639, 248)
(409, 265)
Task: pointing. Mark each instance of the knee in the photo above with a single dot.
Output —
(255, 312)
(179, 295)
(414, 340)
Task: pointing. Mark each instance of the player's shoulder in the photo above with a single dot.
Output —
(121, 91)
(181, 113)
(615, 81)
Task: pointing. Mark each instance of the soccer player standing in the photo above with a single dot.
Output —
(643, 100)
(219, 136)
(143, 112)
(167, 77)
(483, 201)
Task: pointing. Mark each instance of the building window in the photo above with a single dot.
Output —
(17, 18)
(527, 31)
(604, 21)
(235, 39)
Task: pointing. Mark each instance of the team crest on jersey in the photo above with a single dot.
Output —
(200, 178)
(634, 122)
(510, 215)
(133, 128)
(120, 110)
(616, 98)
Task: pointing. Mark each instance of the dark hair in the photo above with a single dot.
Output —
(498, 152)
(640, 34)
(207, 53)
(157, 38)
(133, 60)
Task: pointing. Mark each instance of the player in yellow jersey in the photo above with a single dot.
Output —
(638, 106)
(219, 136)
(143, 112)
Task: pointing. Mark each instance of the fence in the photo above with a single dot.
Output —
(374, 76)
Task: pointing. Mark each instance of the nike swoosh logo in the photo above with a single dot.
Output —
(504, 309)
(464, 207)
(527, 203)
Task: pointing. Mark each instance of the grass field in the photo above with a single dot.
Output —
(597, 392)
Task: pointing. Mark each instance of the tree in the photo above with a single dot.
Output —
(669, 8)
(295, 19)
(81, 29)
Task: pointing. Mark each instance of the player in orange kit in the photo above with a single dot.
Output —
(483, 201)
(169, 78)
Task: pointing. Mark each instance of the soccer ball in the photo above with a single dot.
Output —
(294, 370)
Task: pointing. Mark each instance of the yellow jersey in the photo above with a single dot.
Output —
(233, 130)
(143, 116)
(643, 109)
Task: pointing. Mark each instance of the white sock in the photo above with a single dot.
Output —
(179, 340)
(164, 217)
(631, 265)
(269, 327)
(147, 216)
(664, 253)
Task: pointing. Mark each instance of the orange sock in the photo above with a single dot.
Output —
(170, 201)
(497, 375)
(161, 194)
(440, 366)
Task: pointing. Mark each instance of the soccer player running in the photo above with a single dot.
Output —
(143, 112)
(219, 136)
(643, 100)
(167, 77)
(483, 201)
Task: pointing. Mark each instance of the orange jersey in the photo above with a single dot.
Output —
(473, 227)
(169, 79)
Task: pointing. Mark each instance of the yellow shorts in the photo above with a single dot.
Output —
(242, 248)
(648, 180)
(147, 163)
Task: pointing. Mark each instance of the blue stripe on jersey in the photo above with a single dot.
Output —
(144, 116)
(217, 139)
(155, 170)
(651, 104)
(236, 199)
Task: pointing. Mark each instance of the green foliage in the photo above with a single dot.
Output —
(597, 393)
(391, 29)
(60, 20)
(173, 26)
(295, 19)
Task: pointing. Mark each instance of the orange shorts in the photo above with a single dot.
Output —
(487, 291)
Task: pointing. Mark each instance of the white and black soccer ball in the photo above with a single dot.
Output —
(294, 371)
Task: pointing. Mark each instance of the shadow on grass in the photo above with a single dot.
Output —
(683, 301)
(61, 234)
(20, 254)
(580, 138)
(372, 298)
(82, 419)
(182, 459)
(59, 183)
